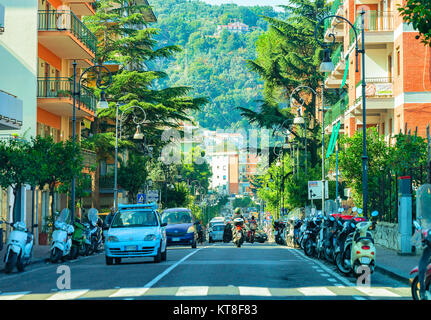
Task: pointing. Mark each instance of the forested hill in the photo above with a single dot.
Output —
(212, 61)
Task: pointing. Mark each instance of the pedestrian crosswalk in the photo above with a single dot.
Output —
(328, 292)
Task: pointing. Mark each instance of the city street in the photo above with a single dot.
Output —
(214, 271)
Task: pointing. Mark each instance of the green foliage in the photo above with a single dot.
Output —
(418, 13)
(214, 65)
(244, 202)
(132, 175)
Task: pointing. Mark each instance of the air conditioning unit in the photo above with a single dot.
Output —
(1, 18)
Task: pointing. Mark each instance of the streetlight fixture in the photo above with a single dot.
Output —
(137, 136)
(76, 92)
(302, 120)
(326, 67)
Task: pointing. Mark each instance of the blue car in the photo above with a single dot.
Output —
(136, 231)
(180, 229)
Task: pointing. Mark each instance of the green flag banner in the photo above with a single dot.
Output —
(333, 140)
(346, 72)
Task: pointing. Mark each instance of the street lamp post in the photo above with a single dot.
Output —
(137, 136)
(76, 92)
(328, 66)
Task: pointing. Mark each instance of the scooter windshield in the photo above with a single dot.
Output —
(64, 215)
(423, 198)
(92, 215)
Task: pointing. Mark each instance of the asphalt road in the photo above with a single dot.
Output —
(213, 271)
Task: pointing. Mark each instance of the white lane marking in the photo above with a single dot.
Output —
(192, 291)
(377, 292)
(13, 295)
(254, 291)
(143, 290)
(316, 291)
(129, 292)
(68, 294)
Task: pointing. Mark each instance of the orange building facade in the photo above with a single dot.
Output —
(397, 70)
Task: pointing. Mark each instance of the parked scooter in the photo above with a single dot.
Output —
(95, 231)
(238, 233)
(80, 244)
(311, 235)
(359, 250)
(425, 235)
(279, 232)
(61, 243)
(19, 247)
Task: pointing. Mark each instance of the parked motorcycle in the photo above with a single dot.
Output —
(95, 231)
(279, 232)
(238, 233)
(425, 237)
(297, 231)
(80, 241)
(359, 249)
(61, 243)
(311, 236)
(19, 247)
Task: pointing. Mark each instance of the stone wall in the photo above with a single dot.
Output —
(386, 234)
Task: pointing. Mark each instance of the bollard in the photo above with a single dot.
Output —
(405, 215)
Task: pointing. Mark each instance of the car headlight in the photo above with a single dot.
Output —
(150, 237)
(112, 239)
(191, 229)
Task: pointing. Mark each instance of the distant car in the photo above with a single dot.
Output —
(180, 229)
(216, 232)
(136, 231)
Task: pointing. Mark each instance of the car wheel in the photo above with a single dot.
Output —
(109, 260)
(164, 254)
(117, 260)
(158, 257)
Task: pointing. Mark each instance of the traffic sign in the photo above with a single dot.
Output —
(141, 198)
(153, 196)
(315, 190)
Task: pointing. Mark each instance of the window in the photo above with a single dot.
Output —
(398, 62)
(224, 177)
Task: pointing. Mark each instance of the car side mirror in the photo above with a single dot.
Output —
(163, 224)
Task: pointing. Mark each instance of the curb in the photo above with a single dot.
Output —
(393, 274)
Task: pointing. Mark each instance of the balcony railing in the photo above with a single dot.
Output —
(337, 55)
(61, 20)
(334, 8)
(337, 109)
(51, 87)
(373, 21)
(89, 158)
(376, 87)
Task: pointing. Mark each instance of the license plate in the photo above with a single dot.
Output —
(365, 260)
(176, 239)
(131, 248)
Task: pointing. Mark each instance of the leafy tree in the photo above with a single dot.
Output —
(418, 13)
(132, 175)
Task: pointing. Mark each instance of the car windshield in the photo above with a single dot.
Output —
(139, 218)
(177, 217)
(218, 227)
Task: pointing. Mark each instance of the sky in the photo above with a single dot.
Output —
(249, 2)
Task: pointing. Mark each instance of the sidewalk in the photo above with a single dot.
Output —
(394, 265)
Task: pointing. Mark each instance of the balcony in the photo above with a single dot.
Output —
(65, 35)
(89, 158)
(10, 111)
(337, 110)
(335, 78)
(83, 8)
(378, 27)
(55, 95)
(335, 26)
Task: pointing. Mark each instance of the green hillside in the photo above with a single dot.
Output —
(212, 62)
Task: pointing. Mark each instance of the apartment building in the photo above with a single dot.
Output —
(397, 70)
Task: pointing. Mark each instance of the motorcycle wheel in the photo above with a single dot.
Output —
(238, 244)
(309, 248)
(74, 251)
(11, 262)
(328, 255)
(339, 261)
(20, 264)
(55, 255)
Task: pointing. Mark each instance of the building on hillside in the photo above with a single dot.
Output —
(397, 71)
(235, 27)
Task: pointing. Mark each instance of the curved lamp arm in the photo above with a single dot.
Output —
(98, 81)
(296, 89)
(331, 35)
(134, 117)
